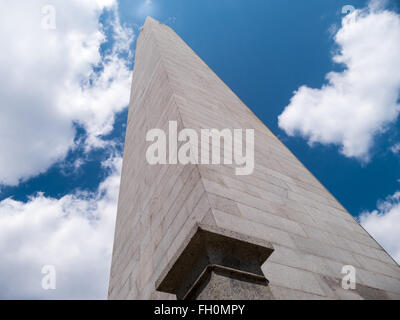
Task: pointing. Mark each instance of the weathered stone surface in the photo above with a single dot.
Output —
(214, 255)
(281, 203)
(222, 285)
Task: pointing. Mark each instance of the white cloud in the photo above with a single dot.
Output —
(361, 101)
(74, 233)
(48, 82)
(395, 148)
(384, 224)
(147, 8)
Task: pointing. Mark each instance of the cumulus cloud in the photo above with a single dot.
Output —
(384, 224)
(361, 101)
(51, 79)
(74, 234)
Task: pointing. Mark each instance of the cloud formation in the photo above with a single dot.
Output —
(395, 148)
(384, 224)
(51, 79)
(74, 234)
(359, 102)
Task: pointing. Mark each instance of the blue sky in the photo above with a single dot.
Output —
(78, 80)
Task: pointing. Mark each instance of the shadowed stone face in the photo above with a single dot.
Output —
(216, 261)
(221, 285)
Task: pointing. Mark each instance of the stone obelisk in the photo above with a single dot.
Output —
(199, 231)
